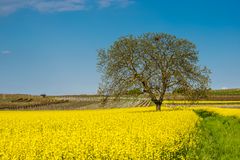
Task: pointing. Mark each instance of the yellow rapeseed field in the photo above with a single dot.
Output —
(135, 133)
(200, 102)
(226, 111)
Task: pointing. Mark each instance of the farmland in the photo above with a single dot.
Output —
(136, 133)
(125, 133)
(218, 98)
(78, 127)
(22, 101)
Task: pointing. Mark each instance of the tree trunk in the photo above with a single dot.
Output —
(158, 105)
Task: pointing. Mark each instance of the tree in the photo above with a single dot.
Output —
(43, 95)
(155, 63)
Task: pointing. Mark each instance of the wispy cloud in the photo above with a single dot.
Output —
(105, 3)
(11, 6)
(5, 52)
(108, 3)
(224, 88)
(58, 6)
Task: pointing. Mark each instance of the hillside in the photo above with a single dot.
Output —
(226, 92)
(30, 102)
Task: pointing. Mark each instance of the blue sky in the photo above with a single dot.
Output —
(50, 46)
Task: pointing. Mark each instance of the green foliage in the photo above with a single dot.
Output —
(135, 91)
(225, 92)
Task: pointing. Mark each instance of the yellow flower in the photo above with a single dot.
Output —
(132, 133)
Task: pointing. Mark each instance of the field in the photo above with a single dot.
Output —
(229, 97)
(136, 133)
(129, 133)
(78, 127)
(22, 101)
(225, 92)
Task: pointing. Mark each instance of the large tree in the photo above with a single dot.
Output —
(155, 63)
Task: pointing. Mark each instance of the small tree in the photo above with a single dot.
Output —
(155, 63)
(43, 95)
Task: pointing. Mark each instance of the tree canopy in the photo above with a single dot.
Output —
(155, 63)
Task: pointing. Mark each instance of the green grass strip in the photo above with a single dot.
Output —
(218, 137)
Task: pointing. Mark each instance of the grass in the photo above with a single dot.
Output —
(225, 92)
(219, 137)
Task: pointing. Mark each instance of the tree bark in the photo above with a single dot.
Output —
(158, 105)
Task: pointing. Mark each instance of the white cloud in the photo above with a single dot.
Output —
(5, 52)
(58, 6)
(11, 6)
(224, 88)
(105, 3)
(108, 3)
